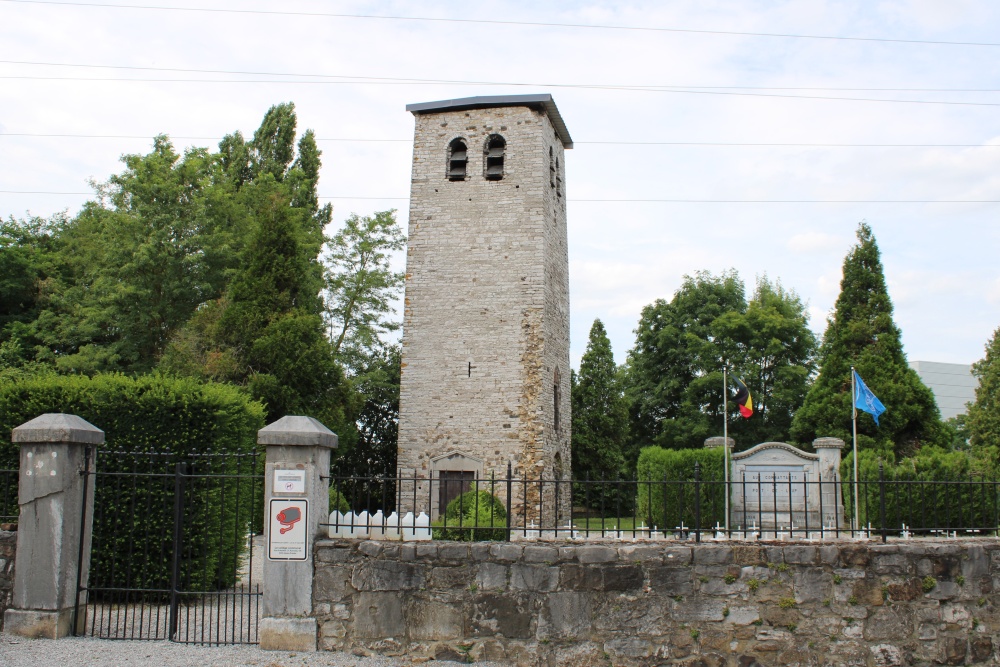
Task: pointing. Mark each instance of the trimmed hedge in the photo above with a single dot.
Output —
(934, 490)
(182, 421)
(666, 493)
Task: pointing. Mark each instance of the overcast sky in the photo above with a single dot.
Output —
(691, 77)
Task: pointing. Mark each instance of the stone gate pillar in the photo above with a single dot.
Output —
(54, 527)
(296, 483)
(829, 450)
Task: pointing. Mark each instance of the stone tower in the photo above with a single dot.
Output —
(485, 379)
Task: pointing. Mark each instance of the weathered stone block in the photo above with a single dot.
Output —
(371, 548)
(671, 581)
(506, 552)
(287, 634)
(677, 556)
(981, 649)
(452, 551)
(800, 555)
(540, 554)
(332, 583)
(387, 576)
(888, 624)
(569, 614)
(534, 577)
(430, 620)
(628, 647)
(812, 585)
(622, 577)
(690, 611)
(504, 615)
(379, 615)
(445, 578)
(712, 554)
(491, 576)
(596, 554)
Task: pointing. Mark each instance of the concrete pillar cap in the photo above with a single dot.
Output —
(297, 430)
(828, 443)
(717, 441)
(58, 427)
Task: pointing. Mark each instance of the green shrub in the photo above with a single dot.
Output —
(956, 502)
(472, 517)
(666, 491)
(338, 502)
(180, 420)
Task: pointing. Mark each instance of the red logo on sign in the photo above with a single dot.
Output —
(288, 517)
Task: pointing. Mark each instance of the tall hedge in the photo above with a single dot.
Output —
(934, 490)
(181, 420)
(666, 488)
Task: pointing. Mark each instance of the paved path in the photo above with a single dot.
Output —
(89, 652)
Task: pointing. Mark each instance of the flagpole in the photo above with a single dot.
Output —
(725, 439)
(854, 420)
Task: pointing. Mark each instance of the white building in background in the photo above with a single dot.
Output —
(953, 385)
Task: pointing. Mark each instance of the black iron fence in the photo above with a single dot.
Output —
(752, 506)
(8, 496)
(172, 554)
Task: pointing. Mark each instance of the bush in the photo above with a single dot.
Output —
(949, 493)
(666, 493)
(474, 516)
(181, 421)
(338, 502)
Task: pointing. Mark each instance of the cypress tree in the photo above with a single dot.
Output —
(861, 333)
(600, 417)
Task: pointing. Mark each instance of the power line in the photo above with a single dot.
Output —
(505, 84)
(736, 144)
(661, 200)
(587, 26)
(37, 63)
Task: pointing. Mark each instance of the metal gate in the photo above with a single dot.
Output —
(174, 554)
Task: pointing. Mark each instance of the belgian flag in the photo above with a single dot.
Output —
(743, 399)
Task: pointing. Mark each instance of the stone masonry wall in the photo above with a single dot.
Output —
(8, 549)
(741, 604)
(486, 313)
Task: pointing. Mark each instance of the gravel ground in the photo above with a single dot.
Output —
(88, 652)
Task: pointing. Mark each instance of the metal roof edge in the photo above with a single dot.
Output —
(543, 100)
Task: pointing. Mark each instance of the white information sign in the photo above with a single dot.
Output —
(289, 481)
(287, 534)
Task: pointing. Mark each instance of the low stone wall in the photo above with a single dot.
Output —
(8, 549)
(740, 604)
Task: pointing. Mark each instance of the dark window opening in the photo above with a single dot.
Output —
(453, 483)
(552, 169)
(558, 180)
(555, 401)
(495, 148)
(458, 160)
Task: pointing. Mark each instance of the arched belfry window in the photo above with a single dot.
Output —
(552, 169)
(495, 149)
(458, 160)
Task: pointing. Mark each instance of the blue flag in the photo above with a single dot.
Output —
(865, 400)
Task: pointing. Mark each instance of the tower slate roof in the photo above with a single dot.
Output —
(539, 101)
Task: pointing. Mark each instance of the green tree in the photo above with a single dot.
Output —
(137, 263)
(29, 266)
(983, 421)
(674, 372)
(600, 420)
(774, 355)
(361, 284)
(861, 333)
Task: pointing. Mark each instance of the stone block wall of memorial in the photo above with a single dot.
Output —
(742, 604)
